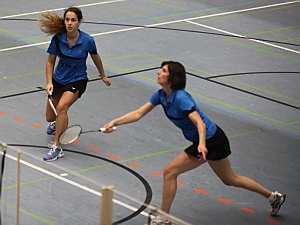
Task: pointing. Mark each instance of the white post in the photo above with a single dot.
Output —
(18, 188)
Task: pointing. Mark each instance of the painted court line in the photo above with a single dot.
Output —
(230, 33)
(75, 184)
(80, 6)
(163, 23)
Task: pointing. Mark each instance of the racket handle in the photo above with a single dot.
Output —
(51, 103)
(102, 129)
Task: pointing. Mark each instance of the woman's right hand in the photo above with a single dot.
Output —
(109, 127)
(49, 89)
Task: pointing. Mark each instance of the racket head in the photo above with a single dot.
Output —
(70, 134)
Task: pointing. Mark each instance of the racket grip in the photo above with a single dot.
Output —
(102, 129)
(51, 104)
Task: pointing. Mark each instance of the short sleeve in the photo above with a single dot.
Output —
(52, 49)
(92, 46)
(155, 99)
(186, 103)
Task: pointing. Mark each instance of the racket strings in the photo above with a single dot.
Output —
(70, 134)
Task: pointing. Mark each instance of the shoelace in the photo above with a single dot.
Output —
(51, 144)
(52, 150)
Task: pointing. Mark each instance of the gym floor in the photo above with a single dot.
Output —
(248, 86)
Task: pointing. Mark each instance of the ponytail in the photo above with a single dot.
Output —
(51, 23)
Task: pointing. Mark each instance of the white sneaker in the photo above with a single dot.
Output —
(277, 202)
(53, 154)
(51, 128)
(158, 221)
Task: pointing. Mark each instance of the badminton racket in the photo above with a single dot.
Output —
(73, 132)
(51, 103)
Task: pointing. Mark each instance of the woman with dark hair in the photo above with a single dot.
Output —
(209, 143)
(67, 82)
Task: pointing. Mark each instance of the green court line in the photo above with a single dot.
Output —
(23, 211)
(8, 10)
(247, 13)
(20, 90)
(265, 51)
(7, 32)
(267, 31)
(272, 32)
(16, 35)
(26, 183)
(23, 75)
(202, 11)
(245, 133)
(265, 91)
(122, 10)
(263, 45)
(236, 107)
(291, 123)
(134, 67)
(286, 38)
(166, 4)
(122, 57)
(15, 52)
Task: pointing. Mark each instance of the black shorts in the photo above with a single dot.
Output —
(217, 146)
(73, 87)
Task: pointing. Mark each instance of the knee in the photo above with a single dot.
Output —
(169, 172)
(61, 109)
(230, 181)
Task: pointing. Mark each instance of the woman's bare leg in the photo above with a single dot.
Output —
(182, 163)
(65, 102)
(223, 170)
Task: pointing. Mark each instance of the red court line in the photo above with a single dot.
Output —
(224, 200)
(114, 156)
(2, 113)
(180, 182)
(19, 119)
(156, 173)
(273, 220)
(200, 191)
(77, 142)
(134, 164)
(248, 210)
(94, 148)
(36, 126)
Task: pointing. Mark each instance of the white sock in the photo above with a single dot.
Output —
(272, 197)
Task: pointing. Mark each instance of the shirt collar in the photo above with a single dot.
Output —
(172, 97)
(79, 40)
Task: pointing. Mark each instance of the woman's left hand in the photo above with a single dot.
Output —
(106, 80)
(202, 151)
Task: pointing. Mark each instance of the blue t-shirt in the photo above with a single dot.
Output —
(72, 61)
(174, 107)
